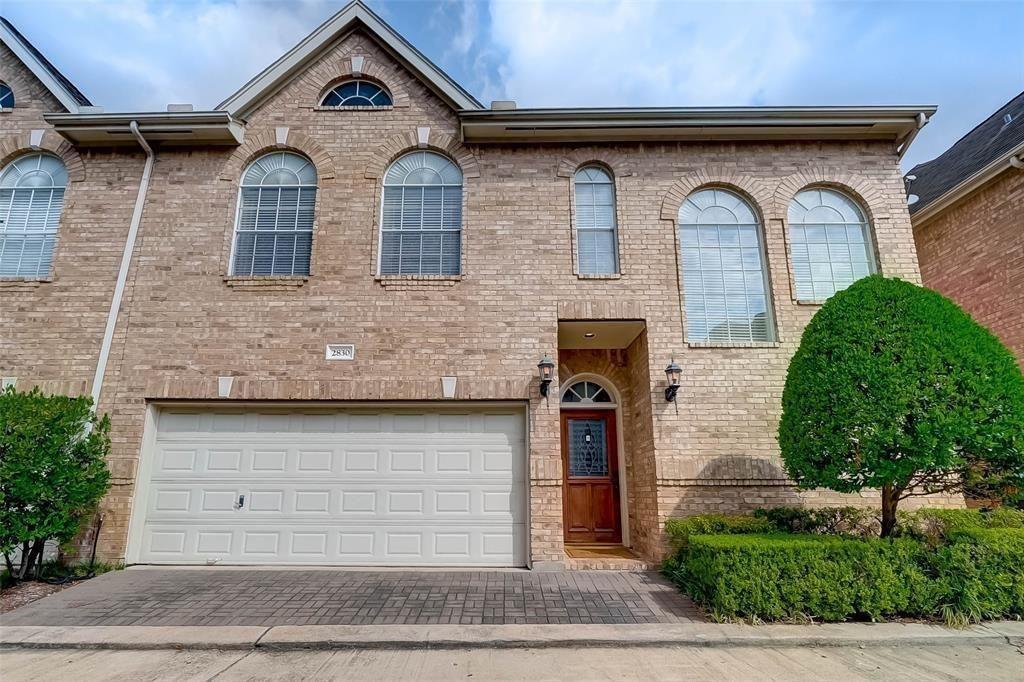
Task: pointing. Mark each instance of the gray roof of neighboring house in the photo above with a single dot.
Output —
(991, 139)
(75, 93)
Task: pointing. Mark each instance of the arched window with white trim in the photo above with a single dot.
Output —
(276, 208)
(596, 239)
(725, 279)
(421, 216)
(31, 201)
(830, 243)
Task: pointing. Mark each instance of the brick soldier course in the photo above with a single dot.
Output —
(185, 321)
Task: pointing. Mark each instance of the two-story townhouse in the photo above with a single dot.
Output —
(352, 316)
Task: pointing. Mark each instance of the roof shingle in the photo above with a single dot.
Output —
(57, 75)
(990, 139)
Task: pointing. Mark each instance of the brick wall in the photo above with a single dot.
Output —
(50, 331)
(184, 323)
(973, 252)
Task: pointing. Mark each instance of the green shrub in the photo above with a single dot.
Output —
(680, 530)
(53, 471)
(895, 387)
(824, 521)
(979, 575)
(935, 525)
(785, 577)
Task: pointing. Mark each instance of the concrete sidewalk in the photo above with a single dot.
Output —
(418, 637)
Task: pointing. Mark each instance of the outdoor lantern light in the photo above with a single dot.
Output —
(674, 373)
(546, 367)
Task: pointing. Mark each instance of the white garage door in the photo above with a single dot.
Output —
(354, 486)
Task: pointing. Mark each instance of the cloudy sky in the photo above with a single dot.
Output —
(967, 57)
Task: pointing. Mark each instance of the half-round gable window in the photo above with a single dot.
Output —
(585, 393)
(357, 93)
(830, 243)
(6, 96)
(274, 229)
(31, 200)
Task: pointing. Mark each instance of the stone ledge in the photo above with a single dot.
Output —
(23, 283)
(268, 283)
(417, 282)
(733, 344)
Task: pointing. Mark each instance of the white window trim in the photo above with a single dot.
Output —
(770, 317)
(238, 216)
(874, 262)
(574, 227)
(380, 226)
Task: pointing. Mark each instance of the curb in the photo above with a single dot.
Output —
(418, 637)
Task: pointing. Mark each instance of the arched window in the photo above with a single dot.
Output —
(421, 220)
(830, 243)
(274, 229)
(31, 199)
(586, 393)
(597, 252)
(357, 93)
(725, 282)
(6, 96)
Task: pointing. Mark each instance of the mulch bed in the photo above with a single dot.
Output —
(26, 593)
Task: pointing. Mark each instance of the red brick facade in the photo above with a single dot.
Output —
(973, 252)
(184, 322)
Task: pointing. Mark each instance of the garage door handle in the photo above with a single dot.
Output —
(241, 502)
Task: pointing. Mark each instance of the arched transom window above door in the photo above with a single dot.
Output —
(587, 393)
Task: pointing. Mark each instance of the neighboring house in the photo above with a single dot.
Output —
(315, 314)
(969, 222)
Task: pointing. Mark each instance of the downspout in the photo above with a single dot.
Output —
(1017, 161)
(922, 121)
(126, 261)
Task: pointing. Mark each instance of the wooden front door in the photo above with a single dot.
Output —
(590, 463)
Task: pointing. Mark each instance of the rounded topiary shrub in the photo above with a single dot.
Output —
(895, 387)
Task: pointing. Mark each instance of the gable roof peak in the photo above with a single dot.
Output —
(355, 14)
(70, 97)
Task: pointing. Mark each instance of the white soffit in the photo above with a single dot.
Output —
(354, 14)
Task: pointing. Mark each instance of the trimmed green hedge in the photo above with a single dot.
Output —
(680, 530)
(935, 525)
(734, 569)
(777, 577)
(979, 575)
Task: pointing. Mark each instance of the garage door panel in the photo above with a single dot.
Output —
(355, 545)
(345, 486)
(180, 502)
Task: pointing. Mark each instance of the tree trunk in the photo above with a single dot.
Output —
(890, 498)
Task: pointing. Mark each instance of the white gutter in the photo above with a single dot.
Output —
(922, 121)
(126, 261)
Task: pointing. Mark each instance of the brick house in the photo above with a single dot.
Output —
(968, 222)
(319, 315)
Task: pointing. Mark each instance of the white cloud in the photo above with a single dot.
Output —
(659, 52)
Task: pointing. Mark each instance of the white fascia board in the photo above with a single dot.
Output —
(245, 99)
(38, 70)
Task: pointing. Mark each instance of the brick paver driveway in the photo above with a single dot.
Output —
(228, 596)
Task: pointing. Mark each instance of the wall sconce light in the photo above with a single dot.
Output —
(674, 373)
(546, 367)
